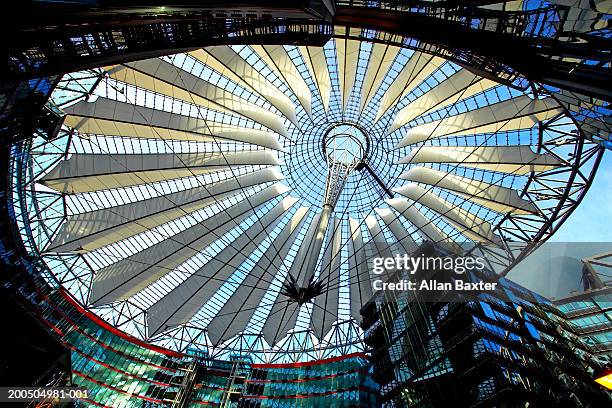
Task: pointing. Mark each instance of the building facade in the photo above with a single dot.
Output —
(590, 313)
(510, 348)
(118, 370)
(335, 382)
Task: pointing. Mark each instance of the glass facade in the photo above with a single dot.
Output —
(335, 382)
(590, 313)
(119, 371)
(507, 348)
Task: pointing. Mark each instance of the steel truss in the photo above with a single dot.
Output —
(544, 45)
(567, 184)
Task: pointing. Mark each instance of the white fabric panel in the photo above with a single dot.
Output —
(95, 229)
(240, 307)
(185, 300)
(314, 250)
(458, 86)
(299, 269)
(467, 223)
(314, 58)
(279, 61)
(497, 198)
(418, 68)
(381, 59)
(424, 225)
(92, 172)
(233, 62)
(399, 231)
(360, 280)
(518, 113)
(505, 159)
(125, 278)
(209, 60)
(282, 318)
(383, 249)
(325, 309)
(113, 118)
(165, 78)
(379, 246)
(347, 56)
(284, 313)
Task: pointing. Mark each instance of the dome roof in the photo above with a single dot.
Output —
(186, 196)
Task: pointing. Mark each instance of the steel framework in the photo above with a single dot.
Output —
(571, 137)
(555, 193)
